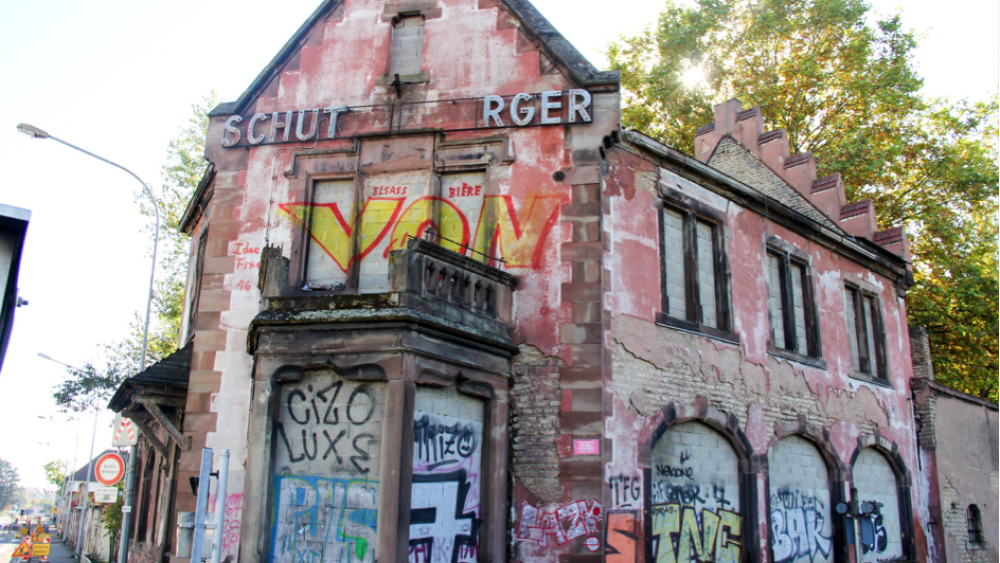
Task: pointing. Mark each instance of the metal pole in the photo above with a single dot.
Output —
(86, 488)
(220, 505)
(156, 240)
(204, 484)
(126, 506)
(152, 278)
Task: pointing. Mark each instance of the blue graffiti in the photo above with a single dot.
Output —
(308, 508)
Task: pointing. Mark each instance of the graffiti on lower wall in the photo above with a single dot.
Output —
(680, 534)
(318, 519)
(797, 521)
(560, 524)
(231, 525)
(621, 538)
(326, 470)
(445, 516)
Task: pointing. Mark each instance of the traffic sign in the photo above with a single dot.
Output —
(125, 432)
(110, 469)
(106, 495)
(23, 551)
(40, 549)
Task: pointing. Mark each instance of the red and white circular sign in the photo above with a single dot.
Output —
(110, 469)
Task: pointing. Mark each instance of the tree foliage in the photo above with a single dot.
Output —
(183, 170)
(56, 471)
(840, 80)
(10, 483)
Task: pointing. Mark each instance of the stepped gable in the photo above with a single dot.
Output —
(737, 144)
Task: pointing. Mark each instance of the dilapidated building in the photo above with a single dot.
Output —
(443, 308)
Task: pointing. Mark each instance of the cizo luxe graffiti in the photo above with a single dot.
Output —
(320, 419)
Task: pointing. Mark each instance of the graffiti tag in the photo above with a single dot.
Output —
(626, 491)
(680, 536)
(536, 525)
(796, 527)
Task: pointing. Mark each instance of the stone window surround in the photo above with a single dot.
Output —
(865, 290)
(395, 470)
(693, 210)
(392, 12)
(789, 253)
(194, 294)
(310, 167)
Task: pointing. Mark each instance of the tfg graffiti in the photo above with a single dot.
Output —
(326, 423)
(626, 491)
(678, 535)
(796, 527)
(538, 524)
(445, 501)
(321, 519)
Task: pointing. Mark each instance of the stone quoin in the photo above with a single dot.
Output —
(456, 313)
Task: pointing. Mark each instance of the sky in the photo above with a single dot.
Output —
(118, 78)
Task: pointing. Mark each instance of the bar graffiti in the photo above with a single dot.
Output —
(796, 525)
(445, 516)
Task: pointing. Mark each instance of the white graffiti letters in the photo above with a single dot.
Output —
(537, 525)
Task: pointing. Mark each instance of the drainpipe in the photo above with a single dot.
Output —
(126, 506)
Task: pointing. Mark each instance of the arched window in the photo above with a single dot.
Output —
(800, 519)
(975, 523)
(876, 482)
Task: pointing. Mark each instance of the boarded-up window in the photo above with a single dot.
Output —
(673, 259)
(325, 471)
(693, 279)
(875, 481)
(790, 306)
(332, 214)
(407, 53)
(801, 519)
(445, 504)
(865, 333)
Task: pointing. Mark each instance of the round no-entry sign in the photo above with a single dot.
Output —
(110, 469)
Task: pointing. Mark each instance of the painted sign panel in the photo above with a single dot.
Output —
(326, 470)
(695, 497)
(106, 495)
(586, 447)
(445, 515)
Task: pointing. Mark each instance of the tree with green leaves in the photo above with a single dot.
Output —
(56, 471)
(10, 483)
(184, 168)
(111, 516)
(841, 82)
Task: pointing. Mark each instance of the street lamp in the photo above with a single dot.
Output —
(36, 133)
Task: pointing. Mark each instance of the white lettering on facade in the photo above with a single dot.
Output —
(524, 109)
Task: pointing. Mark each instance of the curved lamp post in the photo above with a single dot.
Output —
(36, 133)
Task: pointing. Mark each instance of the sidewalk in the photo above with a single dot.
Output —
(61, 553)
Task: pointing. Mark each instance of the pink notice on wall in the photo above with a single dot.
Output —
(586, 447)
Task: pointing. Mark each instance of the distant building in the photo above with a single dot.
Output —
(13, 227)
(76, 501)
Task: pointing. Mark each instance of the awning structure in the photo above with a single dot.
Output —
(163, 385)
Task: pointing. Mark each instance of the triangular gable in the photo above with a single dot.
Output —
(556, 51)
(733, 159)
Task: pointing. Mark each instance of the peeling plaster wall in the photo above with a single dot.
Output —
(655, 366)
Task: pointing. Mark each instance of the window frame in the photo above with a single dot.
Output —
(879, 373)
(789, 256)
(974, 526)
(692, 213)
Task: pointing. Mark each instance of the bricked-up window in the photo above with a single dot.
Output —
(331, 214)
(406, 56)
(975, 524)
(695, 283)
(865, 333)
(790, 306)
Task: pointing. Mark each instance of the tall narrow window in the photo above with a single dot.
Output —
(975, 524)
(694, 288)
(790, 306)
(864, 329)
(407, 55)
(331, 221)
